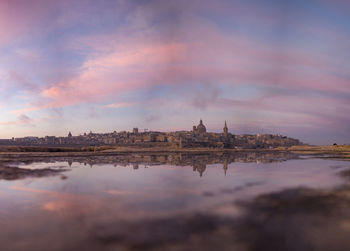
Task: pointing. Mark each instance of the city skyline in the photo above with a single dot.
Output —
(267, 67)
(198, 137)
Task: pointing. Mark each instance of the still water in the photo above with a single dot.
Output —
(154, 202)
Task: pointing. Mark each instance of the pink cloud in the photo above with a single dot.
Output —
(206, 56)
(120, 105)
(144, 54)
(21, 21)
(21, 120)
(19, 18)
(115, 72)
(146, 64)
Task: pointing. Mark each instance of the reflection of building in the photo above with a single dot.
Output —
(197, 161)
(225, 166)
(199, 167)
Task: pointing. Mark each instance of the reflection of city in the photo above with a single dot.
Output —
(199, 162)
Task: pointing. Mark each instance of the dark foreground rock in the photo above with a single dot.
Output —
(297, 219)
(15, 173)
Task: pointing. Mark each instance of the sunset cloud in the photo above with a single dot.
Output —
(21, 120)
(119, 105)
(251, 62)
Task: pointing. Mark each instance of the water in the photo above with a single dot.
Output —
(117, 202)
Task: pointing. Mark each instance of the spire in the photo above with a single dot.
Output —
(225, 129)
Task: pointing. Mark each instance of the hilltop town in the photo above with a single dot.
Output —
(198, 137)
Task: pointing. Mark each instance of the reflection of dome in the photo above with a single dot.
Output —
(201, 128)
(199, 167)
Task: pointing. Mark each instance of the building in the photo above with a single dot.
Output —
(225, 130)
(197, 138)
(200, 129)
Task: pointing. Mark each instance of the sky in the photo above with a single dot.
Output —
(265, 66)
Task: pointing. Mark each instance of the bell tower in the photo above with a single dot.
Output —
(225, 129)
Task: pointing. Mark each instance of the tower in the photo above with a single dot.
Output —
(225, 129)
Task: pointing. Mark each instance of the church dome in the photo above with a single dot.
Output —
(201, 128)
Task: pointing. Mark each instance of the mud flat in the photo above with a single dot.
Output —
(332, 152)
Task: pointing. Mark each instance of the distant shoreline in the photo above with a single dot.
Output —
(27, 151)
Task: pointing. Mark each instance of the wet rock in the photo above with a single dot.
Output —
(15, 173)
(297, 219)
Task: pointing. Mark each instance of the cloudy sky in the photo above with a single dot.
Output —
(265, 66)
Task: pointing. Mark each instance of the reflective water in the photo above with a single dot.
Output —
(129, 202)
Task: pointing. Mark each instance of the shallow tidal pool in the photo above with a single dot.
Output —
(176, 202)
